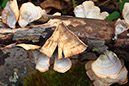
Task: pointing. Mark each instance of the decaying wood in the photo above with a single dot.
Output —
(84, 28)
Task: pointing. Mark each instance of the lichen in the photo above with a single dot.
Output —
(3, 84)
(76, 76)
(14, 78)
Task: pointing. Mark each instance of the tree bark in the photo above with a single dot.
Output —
(84, 28)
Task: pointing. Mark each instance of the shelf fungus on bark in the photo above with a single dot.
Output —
(88, 10)
(10, 14)
(106, 70)
(42, 62)
(28, 46)
(120, 27)
(61, 65)
(125, 13)
(68, 43)
(29, 13)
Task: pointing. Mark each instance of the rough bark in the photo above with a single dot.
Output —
(84, 28)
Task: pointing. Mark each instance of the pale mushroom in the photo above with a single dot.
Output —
(68, 43)
(88, 10)
(62, 65)
(29, 13)
(28, 46)
(120, 27)
(10, 14)
(125, 13)
(57, 14)
(42, 62)
(106, 70)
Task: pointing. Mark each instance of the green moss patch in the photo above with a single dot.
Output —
(76, 76)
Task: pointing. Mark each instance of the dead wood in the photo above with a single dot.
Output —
(84, 28)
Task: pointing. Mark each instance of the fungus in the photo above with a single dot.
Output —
(29, 13)
(120, 27)
(62, 65)
(10, 14)
(125, 13)
(106, 70)
(88, 10)
(28, 46)
(68, 43)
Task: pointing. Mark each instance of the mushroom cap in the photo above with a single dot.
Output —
(10, 14)
(120, 26)
(68, 43)
(43, 63)
(107, 65)
(88, 10)
(62, 65)
(125, 13)
(29, 13)
(78, 11)
(99, 81)
(28, 46)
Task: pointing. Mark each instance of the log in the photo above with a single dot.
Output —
(84, 28)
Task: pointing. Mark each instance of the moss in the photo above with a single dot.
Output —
(3, 84)
(76, 76)
(34, 79)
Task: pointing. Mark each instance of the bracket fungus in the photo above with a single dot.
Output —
(106, 70)
(28, 46)
(120, 27)
(88, 10)
(29, 13)
(10, 14)
(61, 65)
(125, 13)
(43, 62)
(68, 43)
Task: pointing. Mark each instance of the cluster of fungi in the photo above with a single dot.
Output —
(104, 71)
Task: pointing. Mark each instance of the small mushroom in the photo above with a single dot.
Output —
(28, 46)
(120, 27)
(106, 70)
(88, 10)
(62, 65)
(42, 62)
(68, 43)
(10, 14)
(125, 13)
(29, 13)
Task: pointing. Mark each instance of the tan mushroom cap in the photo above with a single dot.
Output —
(29, 13)
(102, 81)
(28, 46)
(62, 65)
(68, 43)
(88, 10)
(10, 14)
